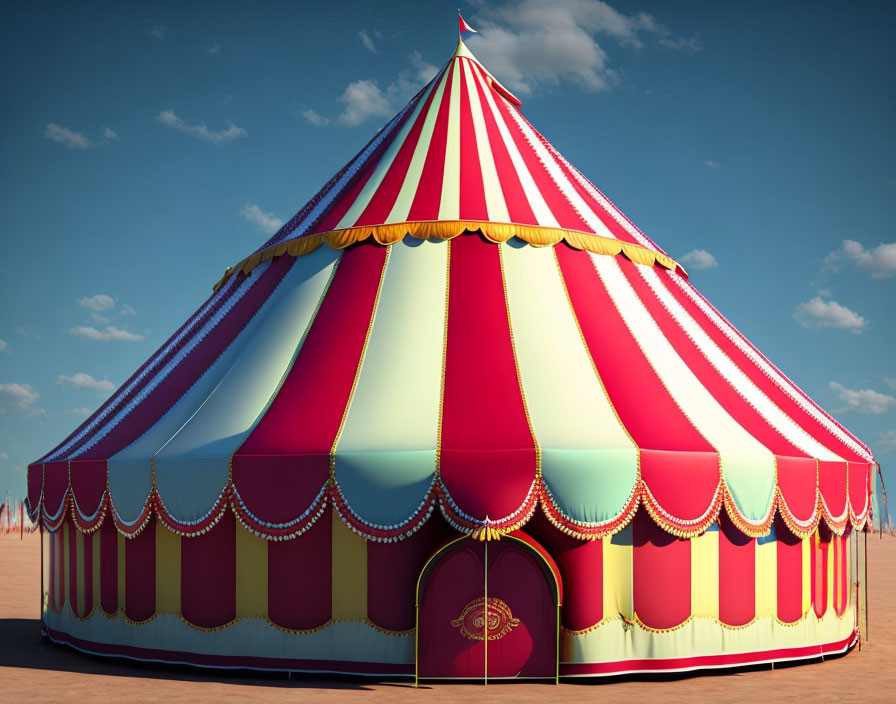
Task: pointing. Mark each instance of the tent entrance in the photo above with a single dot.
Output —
(488, 610)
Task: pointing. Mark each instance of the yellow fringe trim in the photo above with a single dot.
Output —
(496, 232)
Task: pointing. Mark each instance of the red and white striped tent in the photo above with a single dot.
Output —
(459, 417)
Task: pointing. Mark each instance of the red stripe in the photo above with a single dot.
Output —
(605, 217)
(54, 570)
(182, 377)
(661, 574)
(140, 573)
(790, 573)
(559, 205)
(428, 193)
(88, 481)
(392, 571)
(737, 574)
(514, 196)
(859, 473)
(718, 386)
(344, 202)
(580, 563)
(208, 575)
(472, 189)
(72, 567)
(35, 483)
(299, 596)
(55, 486)
(832, 484)
(679, 466)
(797, 479)
(280, 468)
(487, 451)
(384, 198)
(774, 392)
(108, 566)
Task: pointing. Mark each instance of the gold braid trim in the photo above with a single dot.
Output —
(497, 232)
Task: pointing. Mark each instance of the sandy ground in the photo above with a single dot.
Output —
(36, 670)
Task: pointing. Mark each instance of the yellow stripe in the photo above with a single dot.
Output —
(349, 590)
(807, 573)
(251, 574)
(705, 574)
(45, 557)
(121, 584)
(167, 570)
(617, 563)
(66, 564)
(96, 567)
(766, 577)
(80, 566)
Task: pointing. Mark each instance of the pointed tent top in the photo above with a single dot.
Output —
(459, 157)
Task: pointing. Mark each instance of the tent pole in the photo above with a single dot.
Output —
(485, 621)
(866, 587)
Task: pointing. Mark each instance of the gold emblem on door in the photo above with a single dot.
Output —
(472, 618)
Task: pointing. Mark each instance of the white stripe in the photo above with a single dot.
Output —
(449, 205)
(740, 381)
(783, 383)
(494, 196)
(604, 203)
(543, 214)
(405, 199)
(386, 456)
(382, 168)
(556, 173)
(396, 400)
(706, 414)
(567, 403)
(193, 466)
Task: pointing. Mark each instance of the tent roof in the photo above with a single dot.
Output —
(481, 375)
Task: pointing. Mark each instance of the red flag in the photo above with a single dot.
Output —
(464, 27)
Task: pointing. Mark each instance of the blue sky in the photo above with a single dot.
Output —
(146, 146)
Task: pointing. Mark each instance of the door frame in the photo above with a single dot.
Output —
(530, 546)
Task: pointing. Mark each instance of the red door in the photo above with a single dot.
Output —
(516, 595)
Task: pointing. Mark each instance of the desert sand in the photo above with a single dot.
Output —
(36, 670)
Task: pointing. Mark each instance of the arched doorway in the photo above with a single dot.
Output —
(513, 586)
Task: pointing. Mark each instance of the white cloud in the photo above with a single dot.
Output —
(367, 39)
(862, 400)
(201, 131)
(63, 135)
(126, 310)
(110, 333)
(82, 380)
(4, 346)
(889, 381)
(879, 262)
(819, 313)
(18, 398)
(364, 98)
(109, 135)
(214, 48)
(710, 164)
(100, 319)
(314, 118)
(20, 330)
(698, 259)
(539, 43)
(687, 44)
(4, 456)
(266, 222)
(97, 303)
(83, 411)
(155, 30)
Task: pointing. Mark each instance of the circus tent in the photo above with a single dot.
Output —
(458, 365)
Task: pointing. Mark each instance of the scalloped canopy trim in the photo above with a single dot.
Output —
(496, 232)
